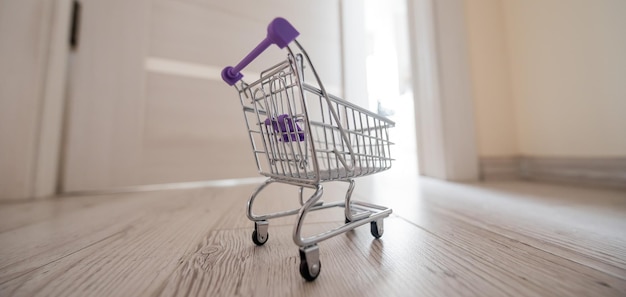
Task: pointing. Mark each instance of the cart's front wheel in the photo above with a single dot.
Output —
(376, 228)
(305, 270)
(310, 264)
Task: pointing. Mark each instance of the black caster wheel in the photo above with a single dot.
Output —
(259, 240)
(306, 272)
(260, 235)
(310, 264)
(376, 228)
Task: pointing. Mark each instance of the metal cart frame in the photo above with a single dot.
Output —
(303, 136)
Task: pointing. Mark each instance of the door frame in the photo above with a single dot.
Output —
(444, 108)
(48, 149)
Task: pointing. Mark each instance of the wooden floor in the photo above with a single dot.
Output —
(444, 239)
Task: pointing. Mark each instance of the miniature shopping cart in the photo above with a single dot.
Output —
(303, 136)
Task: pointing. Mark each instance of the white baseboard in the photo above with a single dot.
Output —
(498, 168)
(608, 172)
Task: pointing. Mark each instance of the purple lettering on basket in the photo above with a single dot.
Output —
(287, 127)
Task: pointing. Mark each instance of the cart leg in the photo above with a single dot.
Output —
(258, 190)
(260, 234)
(310, 264)
(302, 201)
(297, 229)
(348, 209)
(350, 214)
(301, 196)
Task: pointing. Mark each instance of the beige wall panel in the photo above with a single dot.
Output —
(548, 77)
(568, 71)
(491, 80)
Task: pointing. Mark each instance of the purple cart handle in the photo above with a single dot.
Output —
(279, 32)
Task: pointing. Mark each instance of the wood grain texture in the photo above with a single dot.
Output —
(444, 239)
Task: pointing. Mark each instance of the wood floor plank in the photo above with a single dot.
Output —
(586, 248)
(16, 215)
(121, 248)
(407, 259)
(538, 268)
(594, 237)
(444, 239)
(582, 224)
(231, 265)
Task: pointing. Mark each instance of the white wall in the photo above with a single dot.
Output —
(446, 135)
(24, 30)
(568, 62)
(491, 80)
(548, 77)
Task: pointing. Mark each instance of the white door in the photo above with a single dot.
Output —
(146, 104)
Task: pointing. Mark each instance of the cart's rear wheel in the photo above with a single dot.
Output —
(259, 240)
(260, 234)
(376, 228)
